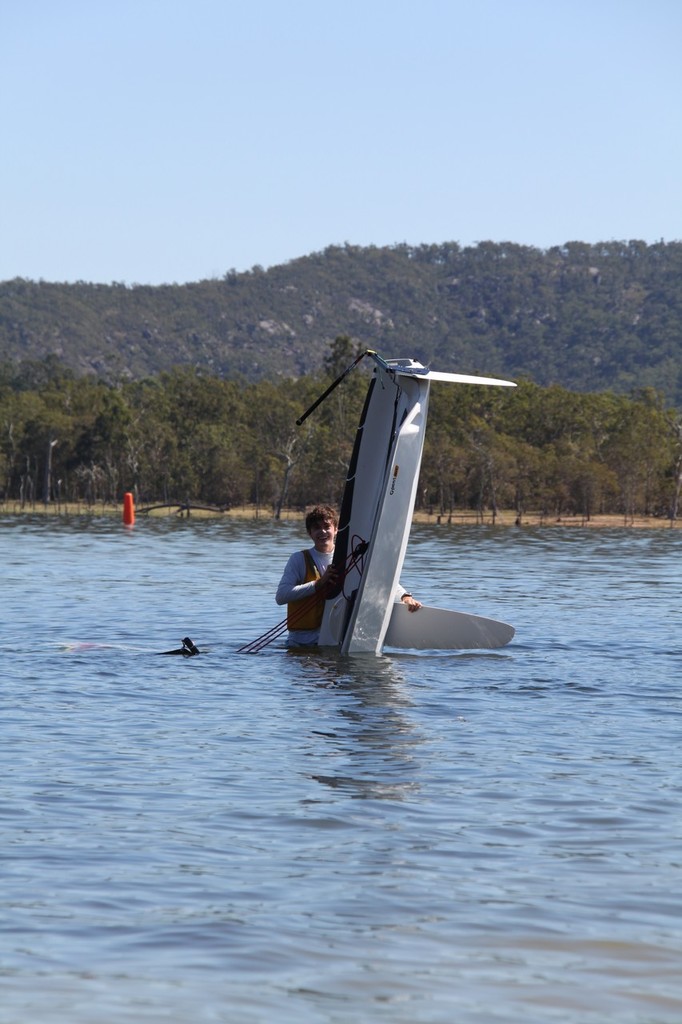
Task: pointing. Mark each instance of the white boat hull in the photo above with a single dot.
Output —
(378, 503)
(444, 630)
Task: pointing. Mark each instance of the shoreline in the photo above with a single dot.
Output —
(505, 518)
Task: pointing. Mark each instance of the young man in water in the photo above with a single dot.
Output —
(309, 575)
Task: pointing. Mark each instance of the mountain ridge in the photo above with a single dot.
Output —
(590, 317)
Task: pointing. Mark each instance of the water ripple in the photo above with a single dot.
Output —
(416, 838)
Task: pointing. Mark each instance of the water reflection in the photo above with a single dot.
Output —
(373, 742)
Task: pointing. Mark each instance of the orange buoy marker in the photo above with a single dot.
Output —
(128, 509)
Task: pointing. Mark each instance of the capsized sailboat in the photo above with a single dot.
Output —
(361, 615)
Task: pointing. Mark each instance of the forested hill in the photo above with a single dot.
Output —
(587, 317)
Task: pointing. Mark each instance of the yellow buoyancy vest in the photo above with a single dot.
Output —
(307, 613)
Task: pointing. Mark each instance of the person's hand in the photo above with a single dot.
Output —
(411, 603)
(328, 579)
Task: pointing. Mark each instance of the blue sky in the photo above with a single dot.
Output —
(152, 141)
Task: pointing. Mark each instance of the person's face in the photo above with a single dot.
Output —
(323, 534)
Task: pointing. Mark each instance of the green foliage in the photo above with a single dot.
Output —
(189, 436)
(586, 317)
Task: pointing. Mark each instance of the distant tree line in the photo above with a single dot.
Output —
(187, 436)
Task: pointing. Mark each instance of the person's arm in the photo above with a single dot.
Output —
(403, 596)
(291, 586)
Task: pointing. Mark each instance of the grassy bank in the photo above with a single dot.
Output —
(459, 518)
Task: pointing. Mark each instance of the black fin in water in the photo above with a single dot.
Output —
(188, 649)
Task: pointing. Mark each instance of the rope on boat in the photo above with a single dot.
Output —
(354, 560)
(335, 383)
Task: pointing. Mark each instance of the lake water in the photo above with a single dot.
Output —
(422, 837)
